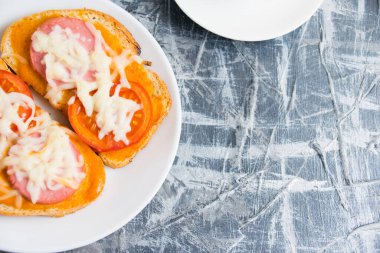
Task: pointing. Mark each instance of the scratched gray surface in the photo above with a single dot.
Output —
(280, 148)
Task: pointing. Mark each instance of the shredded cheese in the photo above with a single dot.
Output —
(46, 158)
(70, 65)
(9, 104)
(8, 193)
(63, 49)
(4, 145)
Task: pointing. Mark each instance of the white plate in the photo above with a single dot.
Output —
(249, 20)
(128, 190)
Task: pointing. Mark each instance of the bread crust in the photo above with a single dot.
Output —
(116, 36)
(90, 188)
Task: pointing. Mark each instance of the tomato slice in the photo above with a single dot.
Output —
(11, 83)
(88, 131)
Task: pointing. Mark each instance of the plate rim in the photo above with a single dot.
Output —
(177, 111)
(209, 27)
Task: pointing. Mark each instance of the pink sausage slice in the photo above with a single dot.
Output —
(77, 26)
(47, 196)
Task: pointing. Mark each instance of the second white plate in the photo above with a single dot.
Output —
(249, 20)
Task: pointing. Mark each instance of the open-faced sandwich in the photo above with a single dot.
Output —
(45, 169)
(86, 64)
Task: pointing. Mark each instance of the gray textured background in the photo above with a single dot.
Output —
(280, 147)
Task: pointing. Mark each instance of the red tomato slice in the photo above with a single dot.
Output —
(11, 83)
(88, 131)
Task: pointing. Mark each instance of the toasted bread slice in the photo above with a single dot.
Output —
(90, 188)
(15, 46)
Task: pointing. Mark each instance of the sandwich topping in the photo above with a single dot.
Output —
(10, 118)
(40, 160)
(16, 109)
(44, 166)
(72, 54)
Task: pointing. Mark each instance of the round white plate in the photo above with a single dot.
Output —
(128, 190)
(249, 20)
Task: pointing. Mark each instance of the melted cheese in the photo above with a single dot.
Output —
(123, 60)
(9, 104)
(63, 50)
(4, 145)
(70, 65)
(45, 157)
